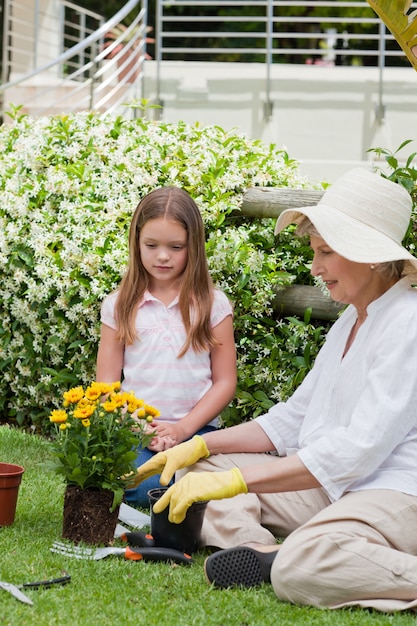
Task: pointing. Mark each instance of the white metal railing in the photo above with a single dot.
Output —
(22, 46)
(76, 24)
(309, 36)
(325, 39)
(88, 73)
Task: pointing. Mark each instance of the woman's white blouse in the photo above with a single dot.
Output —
(353, 420)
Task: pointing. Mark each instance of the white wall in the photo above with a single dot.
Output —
(325, 117)
(36, 37)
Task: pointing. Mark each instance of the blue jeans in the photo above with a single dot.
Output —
(138, 496)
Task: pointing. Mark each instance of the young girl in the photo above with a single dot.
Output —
(166, 332)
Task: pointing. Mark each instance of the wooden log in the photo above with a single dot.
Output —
(263, 202)
(295, 299)
(260, 202)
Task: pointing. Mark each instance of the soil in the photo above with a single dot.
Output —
(87, 516)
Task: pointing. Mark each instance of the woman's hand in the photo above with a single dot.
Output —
(197, 487)
(168, 462)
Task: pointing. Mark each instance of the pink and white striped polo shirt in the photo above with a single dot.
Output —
(151, 367)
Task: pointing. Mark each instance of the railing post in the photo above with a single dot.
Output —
(380, 108)
(5, 63)
(95, 51)
(268, 105)
(83, 35)
(158, 48)
(6, 42)
(36, 30)
(61, 28)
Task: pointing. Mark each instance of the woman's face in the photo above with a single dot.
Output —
(348, 282)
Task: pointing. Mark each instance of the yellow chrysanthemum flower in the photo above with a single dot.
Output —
(151, 410)
(109, 406)
(93, 392)
(84, 412)
(117, 398)
(86, 423)
(105, 388)
(74, 395)
(58, 416)
(130, 397)
(83, 402)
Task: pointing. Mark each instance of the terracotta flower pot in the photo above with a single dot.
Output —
(185, 536)
(10, 479)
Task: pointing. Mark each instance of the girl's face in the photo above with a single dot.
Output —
(347, 281)
(163, 246)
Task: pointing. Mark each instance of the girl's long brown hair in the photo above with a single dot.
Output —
(196, 288)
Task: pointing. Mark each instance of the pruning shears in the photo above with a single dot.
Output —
(15, 590)
(137, 539)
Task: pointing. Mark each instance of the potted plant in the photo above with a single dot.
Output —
(126, 55)
(97, 433)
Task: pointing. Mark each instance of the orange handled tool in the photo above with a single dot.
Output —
(157, 554)
(138, 539)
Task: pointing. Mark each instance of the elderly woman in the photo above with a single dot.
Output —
(339, 480)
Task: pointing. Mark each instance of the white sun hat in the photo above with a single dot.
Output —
(362, 216)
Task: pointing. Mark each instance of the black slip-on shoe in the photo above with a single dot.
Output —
(239, 566)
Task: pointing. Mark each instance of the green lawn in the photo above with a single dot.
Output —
(114, 591)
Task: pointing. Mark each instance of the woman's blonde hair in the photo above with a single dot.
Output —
(196, 288)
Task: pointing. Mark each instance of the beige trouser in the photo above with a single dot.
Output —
(360, 550)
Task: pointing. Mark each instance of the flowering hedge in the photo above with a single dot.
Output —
(69, 185)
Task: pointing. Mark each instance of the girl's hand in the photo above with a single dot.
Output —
(167, 430)
(148, 429)
(159, 444)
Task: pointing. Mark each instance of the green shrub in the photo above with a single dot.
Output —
(69, 185)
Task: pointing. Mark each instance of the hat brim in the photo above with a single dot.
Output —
(348, 237)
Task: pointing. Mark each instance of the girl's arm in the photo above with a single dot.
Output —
(109, 357)
(222, 391)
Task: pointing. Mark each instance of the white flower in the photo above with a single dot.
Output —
(69, 187)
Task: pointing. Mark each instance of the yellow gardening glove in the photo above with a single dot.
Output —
(169, 461)
(199, 486)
